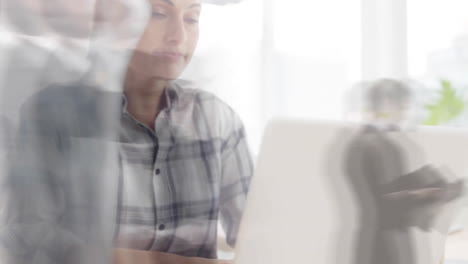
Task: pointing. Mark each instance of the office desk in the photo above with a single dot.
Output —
(127, 256)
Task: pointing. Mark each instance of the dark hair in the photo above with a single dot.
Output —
(395, 92)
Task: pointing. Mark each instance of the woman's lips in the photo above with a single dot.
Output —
(169, 55)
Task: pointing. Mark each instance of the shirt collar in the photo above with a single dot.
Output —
(171, 94)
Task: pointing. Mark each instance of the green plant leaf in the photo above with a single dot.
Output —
(447, 107)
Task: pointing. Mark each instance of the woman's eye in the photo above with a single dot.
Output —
(159, 14)
(191, 20)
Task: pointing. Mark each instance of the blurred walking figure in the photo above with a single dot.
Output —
(389, 199)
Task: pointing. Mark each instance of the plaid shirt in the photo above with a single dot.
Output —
(177, 180)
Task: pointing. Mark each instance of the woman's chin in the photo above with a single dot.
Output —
(166, 75)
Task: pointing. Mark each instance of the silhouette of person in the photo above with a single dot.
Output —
(389, 199)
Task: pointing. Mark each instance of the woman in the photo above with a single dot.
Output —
(198, 163)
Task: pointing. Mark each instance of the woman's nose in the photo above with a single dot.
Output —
(176, 33)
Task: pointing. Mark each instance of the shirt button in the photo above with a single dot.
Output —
(161, 227)
(157, 171)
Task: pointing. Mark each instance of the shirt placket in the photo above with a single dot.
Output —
(164, 193)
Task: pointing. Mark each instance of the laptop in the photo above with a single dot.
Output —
(301, 209)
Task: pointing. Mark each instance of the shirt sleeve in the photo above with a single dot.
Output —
(237, 170)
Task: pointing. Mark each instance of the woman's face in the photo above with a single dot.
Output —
(169, 40)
